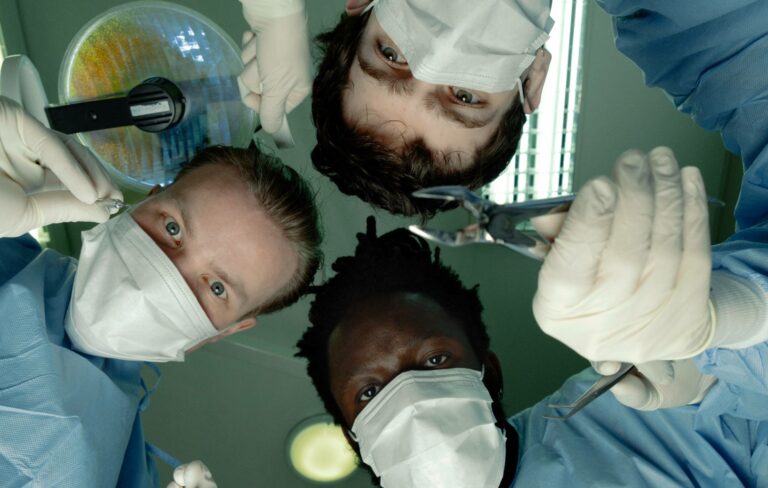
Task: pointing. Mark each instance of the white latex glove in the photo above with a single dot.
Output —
(277, 74)
(192, 475)
(627, 278)
(46, 177)
(661, 384)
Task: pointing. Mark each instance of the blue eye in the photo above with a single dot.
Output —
(369, 392)
(173, 229)
(217, 288)
(465, 96)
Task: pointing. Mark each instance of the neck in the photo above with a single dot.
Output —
(510, 466)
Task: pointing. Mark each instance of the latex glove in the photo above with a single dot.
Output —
(277, 74)
(46, 177)
(627, 278)
(661, 384)
(192, 475)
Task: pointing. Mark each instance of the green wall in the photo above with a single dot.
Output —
(233, 403)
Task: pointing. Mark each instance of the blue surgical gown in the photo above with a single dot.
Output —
(714, 444)
(66, 419)
(711, 58)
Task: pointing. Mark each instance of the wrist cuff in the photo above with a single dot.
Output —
(739, 310)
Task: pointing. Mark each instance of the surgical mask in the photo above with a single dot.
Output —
(129, 301)
(483, 45)
(432, 428)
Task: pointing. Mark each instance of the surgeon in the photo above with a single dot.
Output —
(710, 60)
(235, 236)
(417, 93)
(399, 354)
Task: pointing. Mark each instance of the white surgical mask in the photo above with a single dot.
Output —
(482, 44)
(432, 428)
(129, 301)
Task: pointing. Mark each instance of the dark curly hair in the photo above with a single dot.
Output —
(377, 174)
(288, 201)
(395, 262)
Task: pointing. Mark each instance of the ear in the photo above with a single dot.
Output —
(155, 190)
(244, 324)
(356, 7)
(534, 84)
(493, 378)
(240, 326)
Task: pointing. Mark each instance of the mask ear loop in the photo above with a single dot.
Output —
(369, 7)
(520, 94)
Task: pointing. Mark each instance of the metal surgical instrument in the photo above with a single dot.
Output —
(599, 387)
(493, 223)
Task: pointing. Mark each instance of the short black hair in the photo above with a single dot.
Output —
(398, 261)
(361, 166)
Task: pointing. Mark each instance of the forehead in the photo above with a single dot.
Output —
(385, 326)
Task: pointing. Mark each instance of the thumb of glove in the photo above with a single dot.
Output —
(635, 392)
(659, 373)
(61, 206)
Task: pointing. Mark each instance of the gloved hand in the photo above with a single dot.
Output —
(627, 278)
(192, 475)
(661, 384)
(277, 74)
(45, 177)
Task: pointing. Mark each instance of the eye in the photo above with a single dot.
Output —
(173, 229)
(390, 54)
(465, 96)
(369, 392)
(218, 289)
(436, 360)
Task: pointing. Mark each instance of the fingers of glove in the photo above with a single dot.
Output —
(658, 372)
(249, 46)
(15, 219)
(252, 101)
(173, 484)
(627, 248)
(696, 245)
(98, 174)
(46, 147)
(194, 475)
(633, 392)
(570, 270)
(606, 368)
(54, 207)
(667, 235)
(251, 77)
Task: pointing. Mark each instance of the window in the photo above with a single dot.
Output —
(543, 165)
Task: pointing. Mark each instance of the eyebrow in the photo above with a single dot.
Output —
(394, 83)
(432, 103)
(435, 104)
(237, 287)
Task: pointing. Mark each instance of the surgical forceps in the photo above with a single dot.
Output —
(499, 224)
(599, 387)
(496, 224)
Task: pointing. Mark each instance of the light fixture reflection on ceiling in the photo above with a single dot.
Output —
(318, 451)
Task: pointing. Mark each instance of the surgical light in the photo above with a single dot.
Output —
(318, 451)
